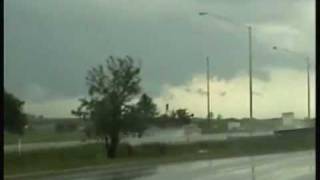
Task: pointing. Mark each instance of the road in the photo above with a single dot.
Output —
(286, 166)
(164, 136)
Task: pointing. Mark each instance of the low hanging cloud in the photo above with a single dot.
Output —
(58, 108)
(285, 92)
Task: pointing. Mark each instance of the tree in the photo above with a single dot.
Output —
(173, 114)
(161, 120)
(146, 106)
(219, 117)
(184, 116)
(145, 111)
(174, 118)
(15, 120)
(111, 88)
(83, 115)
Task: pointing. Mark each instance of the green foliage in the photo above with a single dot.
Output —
(175, 118)
(219, 117)
(147, 108)
(14, 118)
(173, 115)
(141, 115)
(111, 89)
(183, 114)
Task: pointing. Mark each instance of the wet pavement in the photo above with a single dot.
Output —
(286, 166)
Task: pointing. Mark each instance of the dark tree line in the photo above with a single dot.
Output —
(15, 119)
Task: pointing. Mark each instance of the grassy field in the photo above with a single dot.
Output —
(94, 154)
(43, 136)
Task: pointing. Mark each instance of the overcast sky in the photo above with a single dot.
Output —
(51, 44)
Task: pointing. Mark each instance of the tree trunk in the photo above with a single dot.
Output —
(112, 146)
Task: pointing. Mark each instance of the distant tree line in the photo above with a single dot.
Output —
(176, 118)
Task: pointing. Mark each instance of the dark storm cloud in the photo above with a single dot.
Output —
(50, 45)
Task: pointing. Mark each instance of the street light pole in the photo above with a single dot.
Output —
(208, 90)
(250, 75)
(250, 69)
(308, 85)
(308, 75)
(253, 177)
(217, 16)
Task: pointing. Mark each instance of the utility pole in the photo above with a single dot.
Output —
(216, 16)
(167, 109)
(208, 90)
(250, 69)
(308, 85)
(308, 74)
(253, 176)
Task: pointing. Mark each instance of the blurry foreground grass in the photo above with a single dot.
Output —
(94, 154)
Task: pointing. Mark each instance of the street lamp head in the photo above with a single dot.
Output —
(203, 13)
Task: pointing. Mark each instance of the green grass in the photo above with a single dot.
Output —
(42, 136)
(94, 154)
